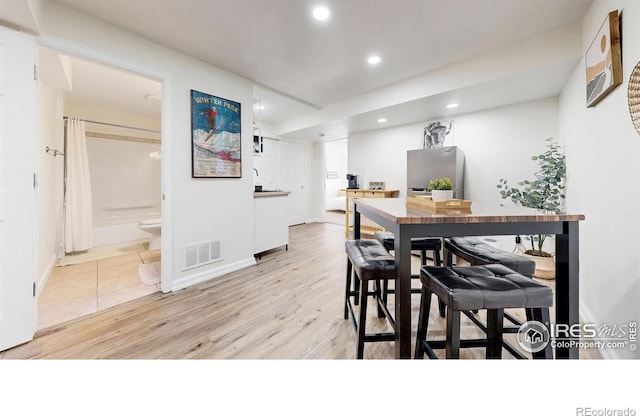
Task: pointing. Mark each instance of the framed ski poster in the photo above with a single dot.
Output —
(215, 137)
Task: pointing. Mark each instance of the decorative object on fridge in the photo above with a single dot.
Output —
(215, 137)
(633, 95)
(603, 60)
(436, 133)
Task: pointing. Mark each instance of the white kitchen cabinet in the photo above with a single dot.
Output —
(270, 221)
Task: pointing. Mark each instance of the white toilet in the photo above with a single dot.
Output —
(153, 227)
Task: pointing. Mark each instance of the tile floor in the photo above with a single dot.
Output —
(104, 280)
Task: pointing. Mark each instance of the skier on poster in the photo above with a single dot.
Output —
(211, 118)
(211, 114)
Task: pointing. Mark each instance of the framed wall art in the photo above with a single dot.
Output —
(215, 137)
(603, 60)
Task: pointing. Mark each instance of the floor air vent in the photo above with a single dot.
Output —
(199, 254)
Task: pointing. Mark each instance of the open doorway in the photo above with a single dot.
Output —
(120, 113)
(336, 160)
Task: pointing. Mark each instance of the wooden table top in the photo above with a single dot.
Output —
(396, 210)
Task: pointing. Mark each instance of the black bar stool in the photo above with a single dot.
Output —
(493, 288)
(422, 244)
(369, 261)
(478, 253)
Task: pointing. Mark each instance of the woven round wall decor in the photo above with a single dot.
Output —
(633, 95)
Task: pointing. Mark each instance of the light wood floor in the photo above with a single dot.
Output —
(288, 306)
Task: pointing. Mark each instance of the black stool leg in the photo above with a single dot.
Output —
(385, 291)
(448, 257)
(379, 295)
(452, 343)
(423, 257)
(348, 291)
(364, 289)
(495, 318)
(423, 322)
(436, 258)
(356, 285)
(442, 308)
(542, 315)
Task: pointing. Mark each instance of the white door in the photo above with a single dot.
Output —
(18, 121)
(292, 179)
(270, 168)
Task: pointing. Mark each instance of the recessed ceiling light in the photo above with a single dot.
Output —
(374, 60)
(321, 13)
(382, 120)
(452, 105)
(259, 106)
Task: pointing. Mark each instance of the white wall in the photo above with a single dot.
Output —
(497, 144)
(314, 182)
(381, 155)
(603, 153)
(50, 181)
(194, 209)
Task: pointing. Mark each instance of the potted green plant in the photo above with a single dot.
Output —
(441, 189)
(545, 192)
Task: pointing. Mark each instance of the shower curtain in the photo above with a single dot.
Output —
(78, 219)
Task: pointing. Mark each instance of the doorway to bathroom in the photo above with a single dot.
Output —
(120, 115)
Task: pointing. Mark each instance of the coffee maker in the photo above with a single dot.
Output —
(352, 181)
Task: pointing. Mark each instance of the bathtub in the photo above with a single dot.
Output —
(120, 225)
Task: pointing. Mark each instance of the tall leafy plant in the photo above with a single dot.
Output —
(545, 192)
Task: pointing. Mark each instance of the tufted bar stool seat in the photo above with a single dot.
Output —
(423, 244)
(369, 261)
(478, 253)
(491, 287)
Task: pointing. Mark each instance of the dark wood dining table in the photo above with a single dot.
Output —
(407, 221)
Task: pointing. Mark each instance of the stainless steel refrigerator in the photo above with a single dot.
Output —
(426, 164)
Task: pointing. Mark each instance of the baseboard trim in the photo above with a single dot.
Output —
(44, 278)
(209, 274)
(587, 318)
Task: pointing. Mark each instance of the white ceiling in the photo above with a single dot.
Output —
(313, 77)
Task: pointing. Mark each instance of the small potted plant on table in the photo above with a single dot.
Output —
(441, 189)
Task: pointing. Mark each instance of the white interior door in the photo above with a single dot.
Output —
(18, 124)
(292, 179)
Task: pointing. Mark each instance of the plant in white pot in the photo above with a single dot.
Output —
(545, 192)
(441, 189)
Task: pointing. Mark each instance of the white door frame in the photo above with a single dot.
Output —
(166, 145)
